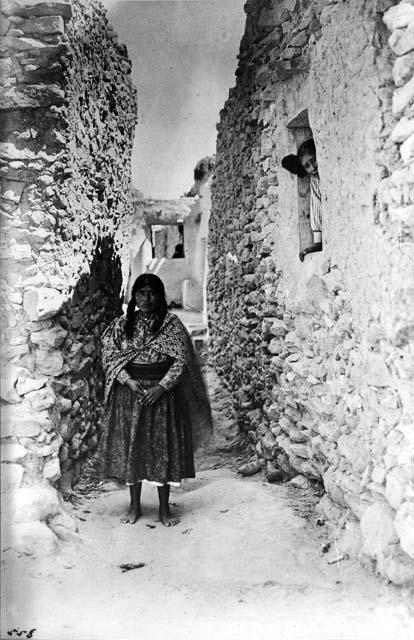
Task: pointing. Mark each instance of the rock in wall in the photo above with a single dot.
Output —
(318, 354)
(69, 112)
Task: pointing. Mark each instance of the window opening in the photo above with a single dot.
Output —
(304, 165)
(167, 240)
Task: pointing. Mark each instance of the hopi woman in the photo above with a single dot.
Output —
(157, 403)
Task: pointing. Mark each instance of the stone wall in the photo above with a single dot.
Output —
(318, 354)
(69, 112)
(184, 278)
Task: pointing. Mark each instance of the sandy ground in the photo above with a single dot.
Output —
(241, 564)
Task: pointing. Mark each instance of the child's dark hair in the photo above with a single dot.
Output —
(293, 163)
(306, 147)
(156, 284)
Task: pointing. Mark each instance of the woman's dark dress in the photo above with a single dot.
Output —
(153, 442)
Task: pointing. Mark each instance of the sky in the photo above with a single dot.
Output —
(183, 56)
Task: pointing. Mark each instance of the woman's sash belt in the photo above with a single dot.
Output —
(154, 371)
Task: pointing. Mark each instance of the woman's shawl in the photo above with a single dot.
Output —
(172, 340)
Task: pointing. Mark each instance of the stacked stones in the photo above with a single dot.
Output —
(69, 114)
(289, 29)
(98, 154)
(202, 172)
(321, 383)
(397, 196)
(235, 339)
(243, 303)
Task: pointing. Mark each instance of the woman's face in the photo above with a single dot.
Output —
(147, 300)
(309, 163)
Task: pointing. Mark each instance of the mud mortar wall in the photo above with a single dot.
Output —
(69, 112)
(318, 355)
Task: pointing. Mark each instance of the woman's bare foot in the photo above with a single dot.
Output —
(133, 514)
(134, 511)
(167, 518)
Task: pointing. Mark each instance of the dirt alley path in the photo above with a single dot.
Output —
(241, 564)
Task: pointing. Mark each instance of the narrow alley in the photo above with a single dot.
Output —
(207, 202)
(246, 561)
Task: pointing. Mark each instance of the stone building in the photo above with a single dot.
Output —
(319, 354)
(158, 226)
(68, 114)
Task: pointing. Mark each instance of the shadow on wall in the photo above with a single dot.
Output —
(95, 302)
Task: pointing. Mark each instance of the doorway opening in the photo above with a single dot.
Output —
(167, 240)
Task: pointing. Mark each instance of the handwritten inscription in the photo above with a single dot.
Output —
(13, 633)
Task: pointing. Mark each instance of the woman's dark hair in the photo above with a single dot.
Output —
(293, 163)
(156, 284)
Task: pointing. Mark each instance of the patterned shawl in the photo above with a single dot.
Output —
(172, 340)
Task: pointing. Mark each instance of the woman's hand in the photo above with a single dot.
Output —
(135, 386)
(152, 395)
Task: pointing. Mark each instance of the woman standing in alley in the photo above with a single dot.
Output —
(156, 401)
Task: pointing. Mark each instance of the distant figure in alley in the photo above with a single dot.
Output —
(156, 400)
(179, 251)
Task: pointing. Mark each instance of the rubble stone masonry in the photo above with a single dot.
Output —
(68, 114)
(319, 355)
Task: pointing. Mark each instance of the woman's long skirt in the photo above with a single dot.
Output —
(151, 442)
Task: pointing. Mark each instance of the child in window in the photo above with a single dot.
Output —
(305, 164)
